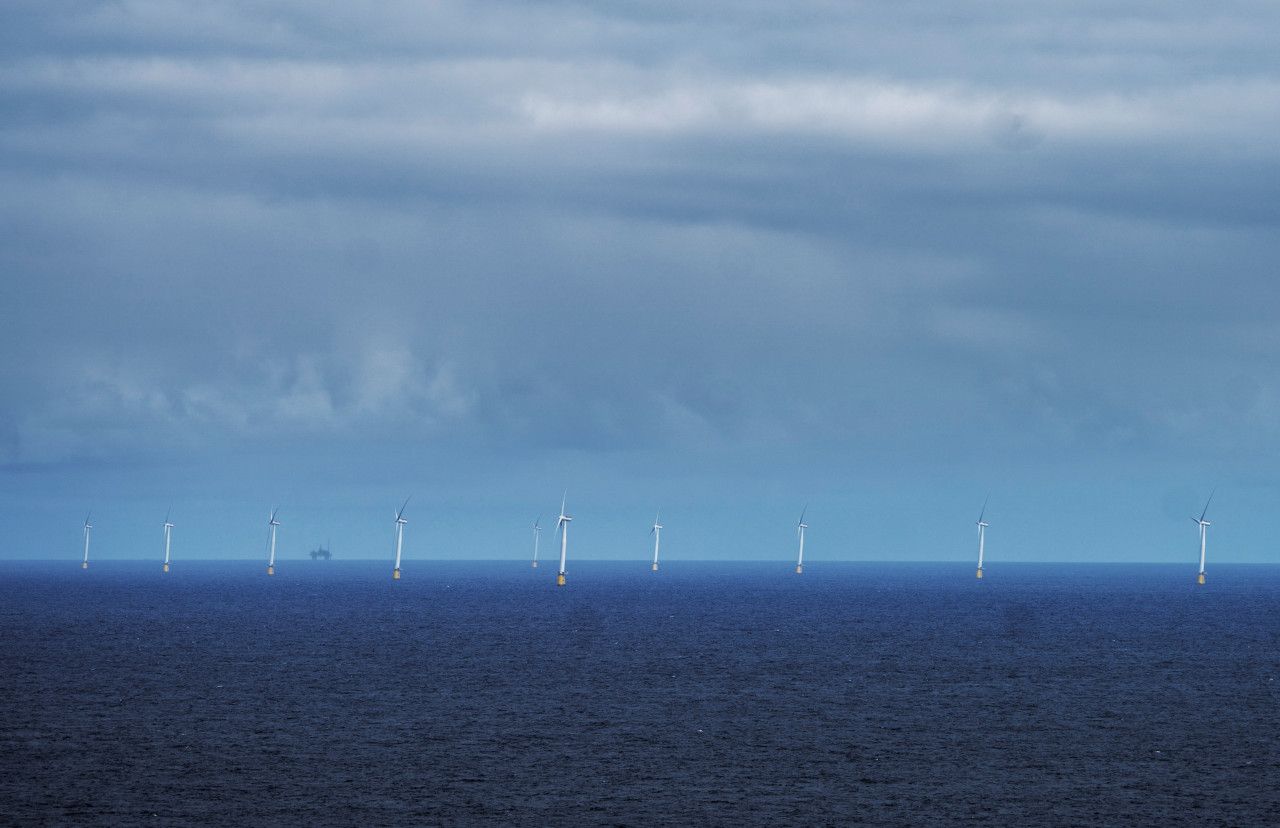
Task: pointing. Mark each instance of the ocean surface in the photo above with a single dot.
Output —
(726, 694)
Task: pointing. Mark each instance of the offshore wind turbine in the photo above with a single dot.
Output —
(562, 529)
(656, 531)
(87, 527)
(982, 533)
(1203, 525)
(400, 522)
(537, 530)
(271, 562)
(167, 527)
(800, 527)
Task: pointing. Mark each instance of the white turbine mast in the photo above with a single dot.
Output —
(537, 531)
(1203, 525)
(800, 527)
(982, 533)
(562, 529)
(87, 527)
(168, 527)
(400, 522)
(656, 531)
(273, 523)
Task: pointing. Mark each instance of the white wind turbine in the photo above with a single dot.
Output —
(800, 527)
(167, 528)
(87, 527)
(400, 522)
(1203, 524)
(982, 533)
(537, 532)
(562, 528)
(271, 562)
(656, 531)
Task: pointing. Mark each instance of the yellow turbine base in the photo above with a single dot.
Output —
(166, 567)
(86, 565)
(799, 569)
(655, 566)
(271, 570)
(979, 572)
(535, 564)
(397, 575)
(560, 579)
(1202, 577)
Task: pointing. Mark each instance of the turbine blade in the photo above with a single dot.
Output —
(563, 500)
(984, 507)
(406, 503)
(1207, 502)
(802, 513)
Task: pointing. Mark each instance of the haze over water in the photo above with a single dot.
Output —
(715, 694)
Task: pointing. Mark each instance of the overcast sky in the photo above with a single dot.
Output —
(722, 259)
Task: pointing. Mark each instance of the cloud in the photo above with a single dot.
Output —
(619, 226)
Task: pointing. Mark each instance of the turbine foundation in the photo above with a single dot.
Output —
(1202, 577)
(396, 576)
(535, 564)
(85, 566)
(979, 572)
(799, 569)
(560, 579)
(655, 567)
(166, 567)
(271, 570)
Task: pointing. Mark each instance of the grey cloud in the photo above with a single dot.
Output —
(625, 225)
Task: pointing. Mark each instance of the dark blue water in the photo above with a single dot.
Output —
(726, 694)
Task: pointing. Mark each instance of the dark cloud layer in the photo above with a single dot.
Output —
(757, 246)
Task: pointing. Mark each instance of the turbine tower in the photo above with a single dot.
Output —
(271, 562)
(1203, 523)
(537, 530)
(87, 527)
(400, 522)
(656, 531)
(800, 527)
(167, 527)
(982, 533)
(562, 528)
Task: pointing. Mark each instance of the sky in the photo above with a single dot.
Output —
(725, 260)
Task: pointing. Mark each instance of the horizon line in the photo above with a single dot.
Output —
(780, 561)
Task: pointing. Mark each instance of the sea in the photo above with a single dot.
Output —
(702, 694)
